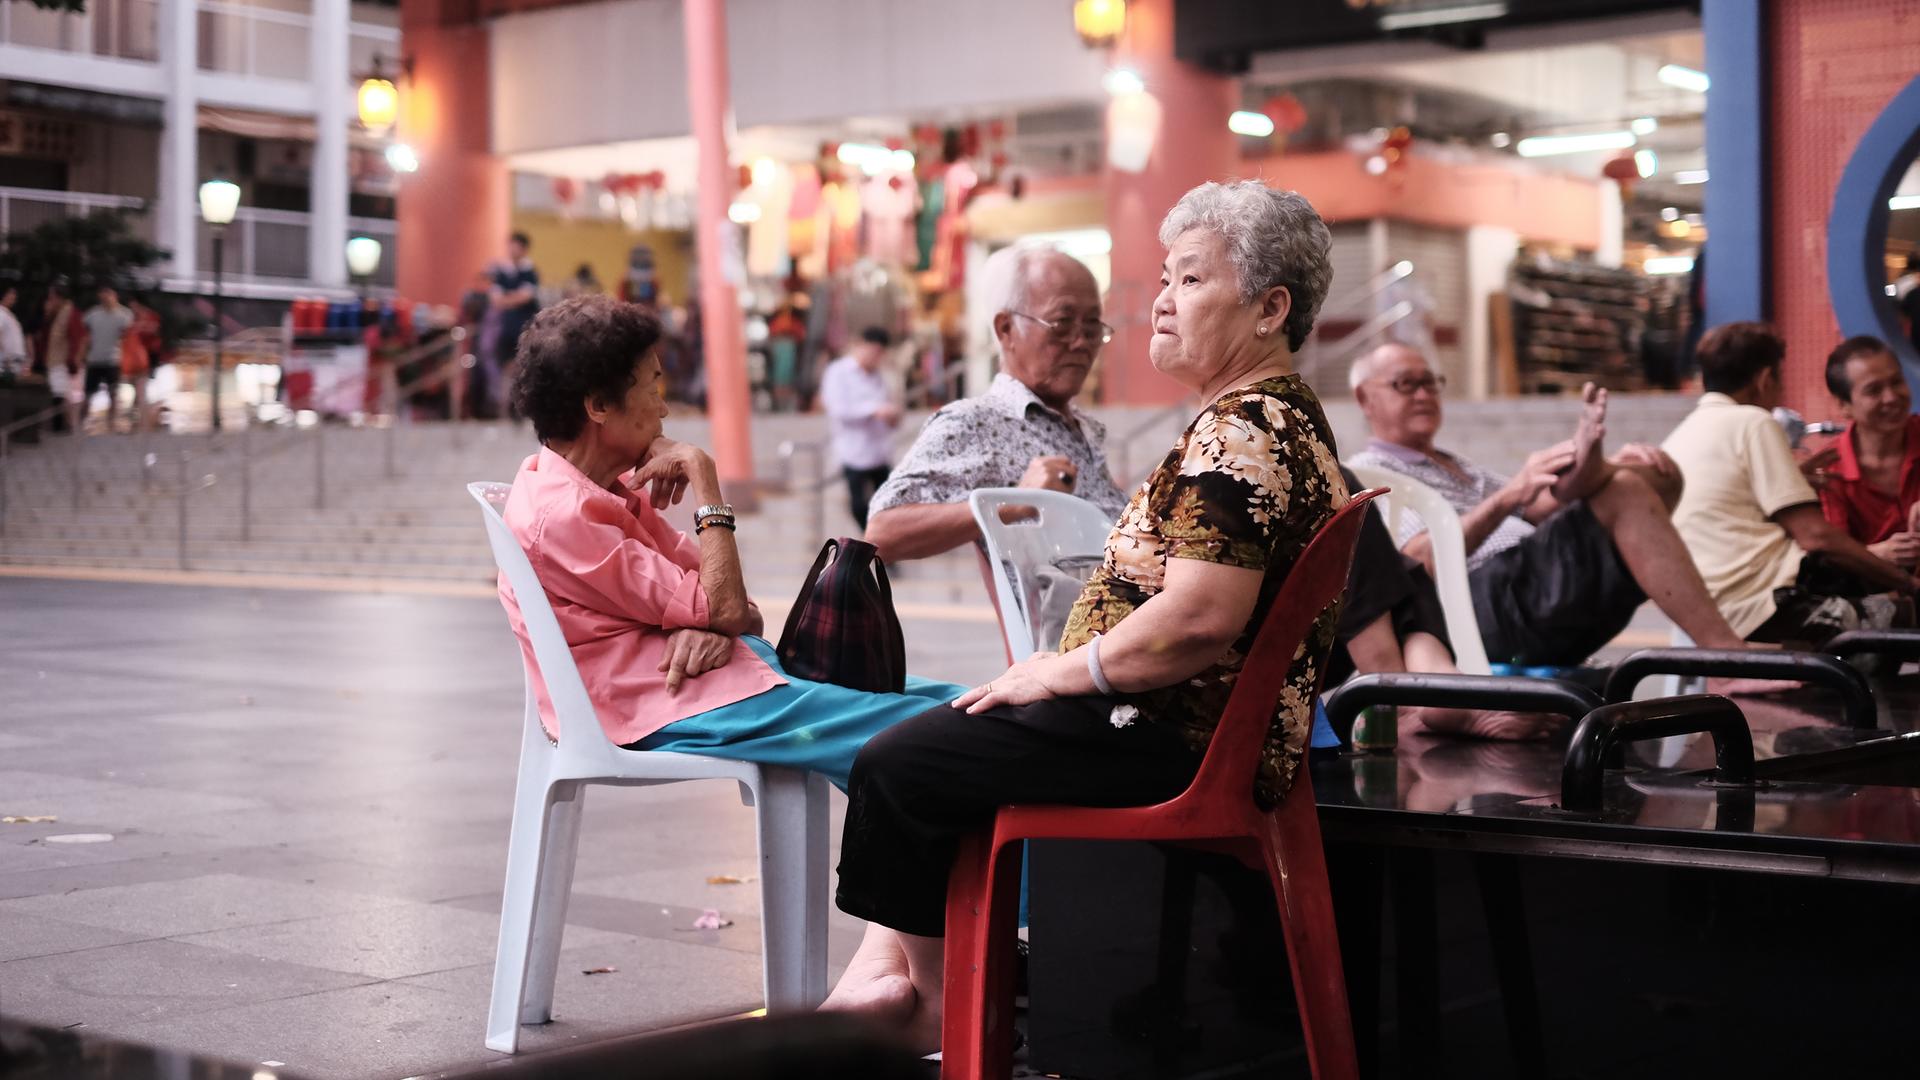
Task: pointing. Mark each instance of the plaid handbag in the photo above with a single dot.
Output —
(843, 629)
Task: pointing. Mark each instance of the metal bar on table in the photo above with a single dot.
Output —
(182, 459)
(319, 466)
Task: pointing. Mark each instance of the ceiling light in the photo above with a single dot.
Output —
(1645, 125)
(1122, 81)
(1646, 163)
(1668, 264)
(1409, 20)
(743, 212)
(1695, 220)
(1252, 124)
(1549, 145)
(1690, 176)
(1501, 140)
(1685, 78)
(1904, 202)
(1669, 213)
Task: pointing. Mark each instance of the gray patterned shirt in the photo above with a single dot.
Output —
(987, 441)
(1480, 485)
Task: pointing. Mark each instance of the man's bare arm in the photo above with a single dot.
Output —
(917, 530)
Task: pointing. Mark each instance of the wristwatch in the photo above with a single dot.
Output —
(720, 514)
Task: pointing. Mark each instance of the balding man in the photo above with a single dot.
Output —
(1560, 555)
(1024, 431)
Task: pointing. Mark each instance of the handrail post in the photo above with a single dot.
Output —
(319, 466)
(182, 459)
(79, 443)
(393, 432)
(6, 478)
(246, 484)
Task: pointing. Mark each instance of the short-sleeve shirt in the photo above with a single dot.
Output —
(508, 279)
(1861, 510)
(1739, 472)
(1464, 490)
(1248, 484)
(851, 396)
(104, 328)
(987, 441)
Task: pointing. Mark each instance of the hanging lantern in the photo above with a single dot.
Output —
(1099, 22)
(1286, 112)
(1624, 170)
(1133, 125)
(565, 190)
(379, 103)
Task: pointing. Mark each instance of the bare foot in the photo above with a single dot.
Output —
(876, 983)
(1588, 437)
(1483, 724)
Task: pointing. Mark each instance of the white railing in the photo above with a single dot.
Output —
(124, 29)
(24, 208)
(249, 39)
(261, 245)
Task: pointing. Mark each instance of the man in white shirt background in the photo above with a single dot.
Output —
(13, 343)
(862, 412)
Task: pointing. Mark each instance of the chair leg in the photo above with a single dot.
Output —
(791, 807)
(1505, 907)
(550, 906)
(1298, 866)
(1416, 946)
(976, 1035)
(526, 851)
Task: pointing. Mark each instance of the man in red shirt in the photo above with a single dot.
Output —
(1874, 485)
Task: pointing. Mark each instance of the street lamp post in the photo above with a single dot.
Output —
(219, 200)
(363, 258)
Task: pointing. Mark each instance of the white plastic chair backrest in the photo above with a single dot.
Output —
(1067, 528)
(581, 736)
(1410, 496)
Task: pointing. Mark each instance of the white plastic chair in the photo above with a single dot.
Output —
(1066, 528)
(1449, 556)
(792, 813)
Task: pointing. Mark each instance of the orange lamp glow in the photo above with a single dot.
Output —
(379, 105)
(1099, 22)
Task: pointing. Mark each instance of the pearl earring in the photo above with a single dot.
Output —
(1262, 331)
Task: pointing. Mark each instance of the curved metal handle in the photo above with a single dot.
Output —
(1582, 776)
(1458, 691)
(1819, 668)
(1904, 644)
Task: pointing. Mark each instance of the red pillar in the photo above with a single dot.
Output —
(728, 408)
(1194, 146)
(453, 214)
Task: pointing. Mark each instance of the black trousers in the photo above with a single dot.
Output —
(861, 484)
(921, 785)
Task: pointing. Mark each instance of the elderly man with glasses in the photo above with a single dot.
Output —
(1024, 431)
(1560, 555)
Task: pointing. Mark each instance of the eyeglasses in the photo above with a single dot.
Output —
(1409, 385)
(1062, 330)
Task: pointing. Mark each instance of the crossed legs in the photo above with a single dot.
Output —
(1637, 515)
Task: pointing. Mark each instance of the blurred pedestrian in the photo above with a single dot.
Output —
(56, 350)
(583, 283)
(863, 414)
(137, 348)
(515, 295)
(13, 343)
(105, 324)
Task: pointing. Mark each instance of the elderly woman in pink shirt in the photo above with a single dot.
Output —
(660, 623)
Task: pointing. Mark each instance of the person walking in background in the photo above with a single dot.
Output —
(137, 348)
(105, 324)
(863, 414)
(56, 350)
(13, 343)
(583, 283)
(515, 296)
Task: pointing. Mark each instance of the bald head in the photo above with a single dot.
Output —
(1046, 320)
(1399, 394)
(1378, 359)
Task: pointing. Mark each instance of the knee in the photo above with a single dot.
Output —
(1642, 490)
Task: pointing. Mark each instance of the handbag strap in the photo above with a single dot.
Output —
(800, 602)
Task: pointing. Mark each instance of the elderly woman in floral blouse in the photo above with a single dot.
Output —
(1122, 714)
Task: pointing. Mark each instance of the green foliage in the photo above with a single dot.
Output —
(84, 253)
(75, 6)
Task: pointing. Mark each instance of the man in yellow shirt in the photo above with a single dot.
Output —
(1777, 569)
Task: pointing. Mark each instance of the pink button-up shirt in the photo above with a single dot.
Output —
(620, 580)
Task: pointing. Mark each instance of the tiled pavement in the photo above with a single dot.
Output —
(308, 796)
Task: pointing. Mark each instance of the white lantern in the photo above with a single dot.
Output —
(219, 201)
(363, 256)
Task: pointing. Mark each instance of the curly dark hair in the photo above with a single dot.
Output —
(586, 347)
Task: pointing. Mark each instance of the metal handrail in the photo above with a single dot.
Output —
(6, 448)
(1362, 297)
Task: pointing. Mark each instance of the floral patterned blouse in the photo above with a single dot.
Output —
(1249, 483)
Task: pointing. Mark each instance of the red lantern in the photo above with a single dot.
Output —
(1624, 170)
(565, 190)
(996, 129)
(1286, 112)
(927, 135)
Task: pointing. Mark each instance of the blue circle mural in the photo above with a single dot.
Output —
(1857, 228)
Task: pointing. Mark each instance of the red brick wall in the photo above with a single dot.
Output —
(1836, 64)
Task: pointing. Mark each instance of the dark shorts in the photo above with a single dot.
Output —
(1383, 582)
(1556, 597)
(100, 376)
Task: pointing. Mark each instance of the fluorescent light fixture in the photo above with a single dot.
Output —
(902, 161)
(1549, 145)
(872, 160)
(1501, 140)
(1252, 124)
(1690, 176)
(743, 212)
(1122, 81)
(1669, 213)
(1646, 163)
(1668, 264)
(1684, 78)
(765, 171)
(1645, 125)
(1410, 20)
(1904, 202)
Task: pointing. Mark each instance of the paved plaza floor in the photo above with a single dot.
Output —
(281, 830)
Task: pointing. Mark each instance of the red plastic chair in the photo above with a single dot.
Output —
(1216, 812)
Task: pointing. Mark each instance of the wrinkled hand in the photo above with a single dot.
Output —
(1020, 684)
(1053, 472)
(691, 653)
(1814, 466)
(1542, 469)
(1901, 549)
(668, 469)
(888, 414)
(1647, 456)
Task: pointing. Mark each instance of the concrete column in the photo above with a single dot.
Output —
(1194, 146)
(327, 227)
(728, 404)
(454, 212)
(177, 196)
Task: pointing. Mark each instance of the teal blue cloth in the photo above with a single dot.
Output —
(807, 725)
(1323, 737)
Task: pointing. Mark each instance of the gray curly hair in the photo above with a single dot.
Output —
(1273, 238)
